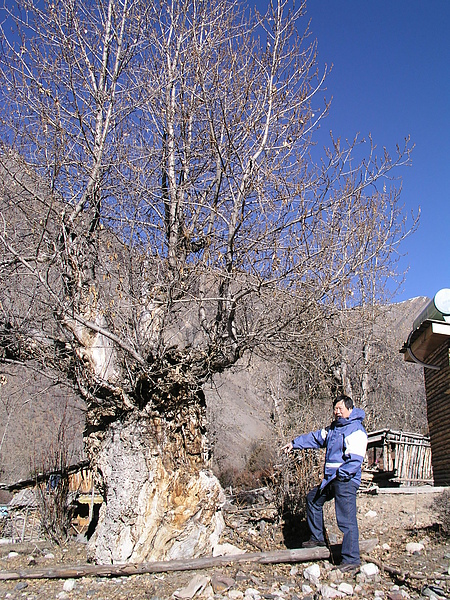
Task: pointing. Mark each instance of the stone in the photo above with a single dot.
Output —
(196, 585)
(226, 550)
(235, 595)
(369, 570)
(433, 592)
(312, 573)
(413, 547)
(21, 586)
(208, 593)
(335, 576)
(307, 589)
(395, 595)
(326, 591)
(371, 514)
(252, 593)
(346, 588)
(386, 547)
(221, 583)
(69, 584)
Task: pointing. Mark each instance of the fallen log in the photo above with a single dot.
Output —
(204, 562)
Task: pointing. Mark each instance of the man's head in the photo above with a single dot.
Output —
(342, 407)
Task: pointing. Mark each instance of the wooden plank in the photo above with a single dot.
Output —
(430, 340)
(425, 489)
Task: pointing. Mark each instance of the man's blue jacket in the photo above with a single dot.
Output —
(345, 441)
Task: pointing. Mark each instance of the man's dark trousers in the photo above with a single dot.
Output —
(344, 494)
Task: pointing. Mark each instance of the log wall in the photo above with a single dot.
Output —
(437, 387)
(411, 460)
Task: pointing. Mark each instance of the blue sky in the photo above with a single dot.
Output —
(391, 78)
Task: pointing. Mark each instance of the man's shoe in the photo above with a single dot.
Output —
(350, 568)
(314, 544)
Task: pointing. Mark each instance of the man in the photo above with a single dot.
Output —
(345, 441)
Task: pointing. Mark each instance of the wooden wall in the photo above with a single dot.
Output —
(437, 387)
(81, 481)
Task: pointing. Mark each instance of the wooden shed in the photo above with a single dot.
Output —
(428, 345)
(21, 521)
(398, 458)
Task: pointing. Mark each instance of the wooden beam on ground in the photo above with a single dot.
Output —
(193, 564)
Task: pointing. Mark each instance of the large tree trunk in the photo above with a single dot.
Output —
(159, 501)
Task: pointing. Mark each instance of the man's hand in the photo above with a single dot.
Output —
(288, 448)
(343, 476)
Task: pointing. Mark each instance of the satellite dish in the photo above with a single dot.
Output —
(438, 309)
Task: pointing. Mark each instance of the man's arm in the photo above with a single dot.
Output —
(314, 439)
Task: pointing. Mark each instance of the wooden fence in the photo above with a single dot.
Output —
(406, 457)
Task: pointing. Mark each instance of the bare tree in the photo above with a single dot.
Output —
(162, 215)
(356, 351)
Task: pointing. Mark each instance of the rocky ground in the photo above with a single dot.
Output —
(397, 520)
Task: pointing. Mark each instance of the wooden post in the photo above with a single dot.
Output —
(91, 503)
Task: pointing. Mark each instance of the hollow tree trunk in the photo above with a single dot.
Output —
(160, 502)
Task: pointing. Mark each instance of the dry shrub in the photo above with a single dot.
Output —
(238, 479)
(294, 477)
(301, 470)
(441, 505)
(54, 508)
(52, 488)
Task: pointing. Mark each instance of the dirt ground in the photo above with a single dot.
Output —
(395, 519)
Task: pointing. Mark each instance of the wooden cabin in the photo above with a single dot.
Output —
(428, 345)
